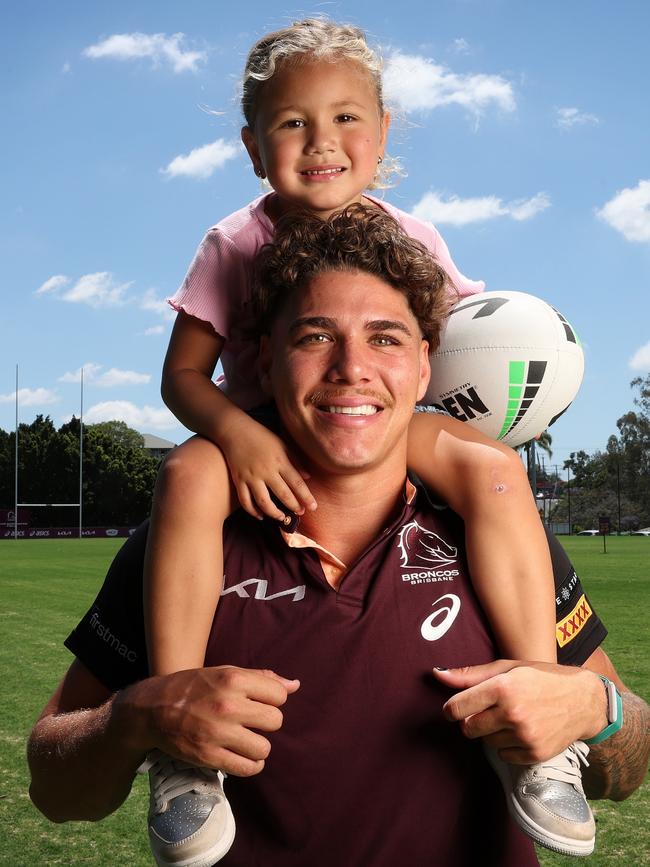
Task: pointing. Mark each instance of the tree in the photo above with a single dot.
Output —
(121, 433)
(118, 473)
(544, 442)
(616, 482)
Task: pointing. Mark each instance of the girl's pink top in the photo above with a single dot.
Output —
(218, 285)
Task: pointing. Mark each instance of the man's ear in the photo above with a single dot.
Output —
(425, 370)
(250, 143)
(264, 359)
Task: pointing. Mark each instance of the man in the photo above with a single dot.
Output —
(365, 764)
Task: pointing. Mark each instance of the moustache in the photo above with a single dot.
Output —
(320, 398)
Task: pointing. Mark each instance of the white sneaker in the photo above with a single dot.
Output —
(548, 802)
(190, 820)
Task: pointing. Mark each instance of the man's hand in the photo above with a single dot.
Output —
(529, 712)
(86, 734)
(208, 716)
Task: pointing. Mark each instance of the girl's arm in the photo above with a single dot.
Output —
(187, 387)
(486, 484)
(258, 461)
(183, 570)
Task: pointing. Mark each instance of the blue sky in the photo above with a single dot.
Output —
(523, 126)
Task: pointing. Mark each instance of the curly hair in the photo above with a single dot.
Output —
(360, 238)
(306, 41)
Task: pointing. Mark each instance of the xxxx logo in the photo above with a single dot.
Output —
(567, 629)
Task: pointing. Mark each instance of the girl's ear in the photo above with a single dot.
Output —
(385, 126)
(250, 144)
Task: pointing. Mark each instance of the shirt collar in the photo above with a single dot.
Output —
(333, 568)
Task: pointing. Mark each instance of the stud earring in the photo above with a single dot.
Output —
(380, 160)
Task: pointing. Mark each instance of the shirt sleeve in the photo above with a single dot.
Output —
(110, 639)
(215, 286)
(579, 630)
(462, 284)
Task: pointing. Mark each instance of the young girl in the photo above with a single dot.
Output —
(316, 130)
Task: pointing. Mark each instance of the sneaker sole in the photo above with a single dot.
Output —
(207, 859)
(554, 842)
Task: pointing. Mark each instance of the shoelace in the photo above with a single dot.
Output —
(565, 768)
(171, 778)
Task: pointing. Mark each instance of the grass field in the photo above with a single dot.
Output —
(45, 587)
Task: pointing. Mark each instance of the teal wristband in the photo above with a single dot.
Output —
(614, 713)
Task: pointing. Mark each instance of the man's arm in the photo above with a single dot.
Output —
(79, 765)
(618, 765)
(88, 743)
(532, 711)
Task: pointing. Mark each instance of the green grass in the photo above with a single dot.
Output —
(45, 587)
(618, 585)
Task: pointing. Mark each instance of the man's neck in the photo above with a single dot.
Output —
(353, 510)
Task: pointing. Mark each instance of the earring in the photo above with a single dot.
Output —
(380, 160)
(258, 172)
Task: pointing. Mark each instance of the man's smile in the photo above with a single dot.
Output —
(364, 409)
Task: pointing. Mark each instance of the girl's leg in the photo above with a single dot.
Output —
(183, 573)
(189, 817)
(509, 559)
(512, 574)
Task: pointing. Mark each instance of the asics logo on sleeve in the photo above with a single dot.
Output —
(446, 610)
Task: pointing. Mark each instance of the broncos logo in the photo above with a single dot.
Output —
(420, 547)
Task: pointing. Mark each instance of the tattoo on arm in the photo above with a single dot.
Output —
(618, 766)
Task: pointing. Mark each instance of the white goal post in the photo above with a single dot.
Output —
(78, 505)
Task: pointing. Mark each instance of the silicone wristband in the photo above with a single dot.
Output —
(614, 713)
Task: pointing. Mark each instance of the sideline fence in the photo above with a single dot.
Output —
(66, 532)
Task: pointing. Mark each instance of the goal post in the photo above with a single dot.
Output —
(78, 505)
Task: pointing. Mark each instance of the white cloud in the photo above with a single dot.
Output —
(52, 284)
(526, 209)
(629, 212)
(114, 376)
(641, 359)
(90, 369)
(150, 301)
(158, 47)
(203, 161)
(30, 397)
(146, 417)
(111, 378)
(565, 118)
(419, 84)
(459, 212)
(155, 329)
(97, 290)
(460, 46)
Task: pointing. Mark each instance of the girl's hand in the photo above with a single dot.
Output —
(260, 467)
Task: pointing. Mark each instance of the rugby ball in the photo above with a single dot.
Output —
(508, 364)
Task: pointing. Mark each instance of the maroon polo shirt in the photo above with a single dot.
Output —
(365, 769)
